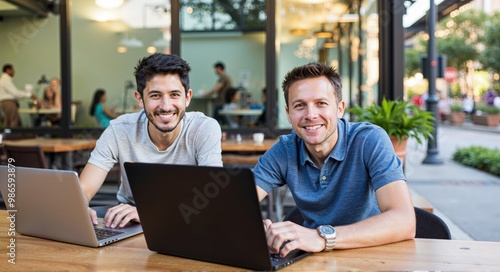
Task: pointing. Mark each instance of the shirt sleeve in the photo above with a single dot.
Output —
(105, 153)
(270, 170)
(382, 163)
(10, 88)
(208, 143)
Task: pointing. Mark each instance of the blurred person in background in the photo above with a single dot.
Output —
(9, 97)
(98, 109)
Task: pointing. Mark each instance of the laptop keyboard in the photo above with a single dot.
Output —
(275, 256)
(106, 233)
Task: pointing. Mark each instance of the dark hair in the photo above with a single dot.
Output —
(54, 96)
(230, 93)
(312, 70)
(219, 64)
(97, 98)
(6, 67)
(162, 64)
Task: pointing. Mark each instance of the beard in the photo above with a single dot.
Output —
(150, 116)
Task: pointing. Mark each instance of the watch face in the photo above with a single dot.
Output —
(326, 230)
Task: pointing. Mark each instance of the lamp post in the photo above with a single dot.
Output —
(432, 149)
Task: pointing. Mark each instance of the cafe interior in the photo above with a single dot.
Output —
(92, 44)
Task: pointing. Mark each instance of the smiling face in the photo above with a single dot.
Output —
(313, 111)
(164, 101)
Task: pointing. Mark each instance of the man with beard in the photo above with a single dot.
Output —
(346, 181)
(163, 132)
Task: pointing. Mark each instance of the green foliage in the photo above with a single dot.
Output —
(243, 15)
(458, 52)
(456, 107)
(398, 118)
(485, 109)
(458, 38)
(412, 59)
(490, 58)
(479, 157)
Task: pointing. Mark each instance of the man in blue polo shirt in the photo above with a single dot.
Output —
(345, 178)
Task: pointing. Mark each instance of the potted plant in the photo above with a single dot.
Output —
(457, 115)
(486, 115)
(400, 119)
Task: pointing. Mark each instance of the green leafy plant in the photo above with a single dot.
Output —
(398, 118)
(485, 109)
(456, 107)
(479, 157)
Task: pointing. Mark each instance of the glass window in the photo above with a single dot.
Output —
(225, 46)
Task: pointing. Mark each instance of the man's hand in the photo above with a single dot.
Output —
(93, 216)
(283, 237)
(119, 216)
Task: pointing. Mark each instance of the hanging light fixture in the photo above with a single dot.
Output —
(329, 43)
(108, 4)
(322, 33)
(298, 31)
(309, 41)
(131, 42)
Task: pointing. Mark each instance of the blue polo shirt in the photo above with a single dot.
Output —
(342, 191)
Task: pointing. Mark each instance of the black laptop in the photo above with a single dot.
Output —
(204, 213)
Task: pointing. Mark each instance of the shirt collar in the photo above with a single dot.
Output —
(339, 151)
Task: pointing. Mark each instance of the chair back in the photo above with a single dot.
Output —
(429, 225)
(26, 156)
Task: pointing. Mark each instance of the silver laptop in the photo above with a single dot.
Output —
(50, 204)
(205, 213)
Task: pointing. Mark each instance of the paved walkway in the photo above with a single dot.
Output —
(466, 198)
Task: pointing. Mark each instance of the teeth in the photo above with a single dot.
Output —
(313, 127)
(165, 115)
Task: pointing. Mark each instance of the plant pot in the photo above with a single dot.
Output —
(457, 118)
(399, 147)
(491, 120)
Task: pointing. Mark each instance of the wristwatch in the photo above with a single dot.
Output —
(329, 234)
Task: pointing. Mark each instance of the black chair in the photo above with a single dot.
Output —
(429, 225)
(26, 156)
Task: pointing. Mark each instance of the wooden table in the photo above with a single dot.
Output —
(247, 146)
(35, 254)
(63, 146)
(39, 111)
(36, 113)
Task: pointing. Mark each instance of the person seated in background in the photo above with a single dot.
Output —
(51, 100)
(262, 118)
(98, 109)
(489, 96)
(467, 105)
(232, 100)
(444, 107)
